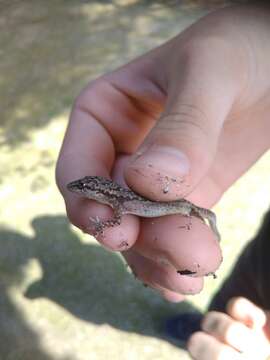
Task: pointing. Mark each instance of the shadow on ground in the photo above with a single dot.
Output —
(88, 281)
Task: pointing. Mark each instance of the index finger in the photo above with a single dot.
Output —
(94, 134)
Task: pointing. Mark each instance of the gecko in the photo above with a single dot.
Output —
(125, 201)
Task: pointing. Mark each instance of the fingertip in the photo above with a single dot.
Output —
(80, 211)
(121, 237)
(196, 344)
(244, 310)
(162, 277)
(159, 172)
(171, 296)
(186, 243)
(77, 211)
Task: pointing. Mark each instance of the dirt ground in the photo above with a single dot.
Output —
(62, 296)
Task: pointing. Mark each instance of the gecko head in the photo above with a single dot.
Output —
(76, 186)
(87, 186)
(80, 185)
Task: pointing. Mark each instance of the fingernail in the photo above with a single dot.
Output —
(163, 169)
(165, 158)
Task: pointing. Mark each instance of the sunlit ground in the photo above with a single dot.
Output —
(62, 296)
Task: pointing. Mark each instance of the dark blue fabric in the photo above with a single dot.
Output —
(183, 325)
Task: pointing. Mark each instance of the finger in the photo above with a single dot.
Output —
(172, 296)
(231, 332)
(82, 154)
(254, 318)
(180, 149)
(87, 146)
(187, 244)
(161, 276)
(88, 150)
(202, 346)
(248, 313)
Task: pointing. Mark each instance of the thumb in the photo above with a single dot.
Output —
(180, 149)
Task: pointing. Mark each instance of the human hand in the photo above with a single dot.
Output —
(185, 120)
(242, 334)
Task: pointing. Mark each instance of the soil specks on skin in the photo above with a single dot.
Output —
(212, 274)
(187, 226)
(123, 244)
(192, 273)
(186, 272)
(166, 189)
(171, 182)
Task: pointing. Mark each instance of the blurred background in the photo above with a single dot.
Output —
(62, 296)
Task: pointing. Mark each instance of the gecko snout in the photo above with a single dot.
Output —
(75, 186)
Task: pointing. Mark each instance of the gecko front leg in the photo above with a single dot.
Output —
(100, 225)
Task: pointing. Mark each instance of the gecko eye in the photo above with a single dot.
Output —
(84, 185)
(81, 185)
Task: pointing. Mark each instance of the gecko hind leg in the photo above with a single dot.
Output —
(205, 214)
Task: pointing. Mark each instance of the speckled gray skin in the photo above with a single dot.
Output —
(125, 201)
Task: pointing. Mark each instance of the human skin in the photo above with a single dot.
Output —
(241, 334)
(190, 116)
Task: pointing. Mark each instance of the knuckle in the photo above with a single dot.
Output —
(88, 96)
(189, 128)
(187, 117)
(205, 44)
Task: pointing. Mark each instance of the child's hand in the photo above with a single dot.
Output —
(243, 334)
(186, 120)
